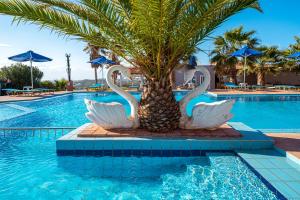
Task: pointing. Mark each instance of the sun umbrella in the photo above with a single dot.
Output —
(245, 52)
(31, 57)
(100, 61)
(295, 55)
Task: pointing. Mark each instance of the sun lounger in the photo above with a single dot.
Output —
(257, 87)
(46, 90)
(229, 85)
(285, 87)
(11, 91)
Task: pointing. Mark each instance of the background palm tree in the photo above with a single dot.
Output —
(93, 51)
(152, 35)
(270, 62)
(292, 64)
(228, 43)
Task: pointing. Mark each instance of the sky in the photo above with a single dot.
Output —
(277, 25)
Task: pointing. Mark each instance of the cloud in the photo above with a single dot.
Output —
(4, 45)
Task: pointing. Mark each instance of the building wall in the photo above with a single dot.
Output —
(284, 78)
(179, 77)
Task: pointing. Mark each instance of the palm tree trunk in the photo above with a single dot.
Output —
(233, 75)
(158, 110)
(260, 78)
(96, 75)
(114, 58)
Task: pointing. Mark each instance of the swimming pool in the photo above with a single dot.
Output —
(30, 169)
(258, 112)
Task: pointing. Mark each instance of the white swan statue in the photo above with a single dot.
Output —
(112, 115)
(204, 115)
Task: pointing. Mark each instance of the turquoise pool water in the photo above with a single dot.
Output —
(7, 112)
(30, 169)
(258, 112)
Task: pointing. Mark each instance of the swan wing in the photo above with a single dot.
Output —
(107, 115)
(211, 115)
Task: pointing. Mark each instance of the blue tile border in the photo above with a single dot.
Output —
(134, 152)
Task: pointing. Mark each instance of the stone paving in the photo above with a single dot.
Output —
(253, 92)
(289, 142)
(93, 130)
(29, 97)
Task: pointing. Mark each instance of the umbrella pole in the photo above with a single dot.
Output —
(31, 72)
(102, 75)
(245, 63)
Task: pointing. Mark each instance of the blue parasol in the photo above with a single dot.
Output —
(295, 55)
(32, 57)
(102, 60)
(245, 52)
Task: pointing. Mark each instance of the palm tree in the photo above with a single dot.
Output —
(153, 35)
(270, 62)
(295, 47)
(93, 51)
(292, 64)
(228, 43)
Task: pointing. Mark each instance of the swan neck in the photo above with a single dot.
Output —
(197, 91)
(126, 95)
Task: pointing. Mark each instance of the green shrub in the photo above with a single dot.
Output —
(19, 75)
(48, 84)
(61, 84)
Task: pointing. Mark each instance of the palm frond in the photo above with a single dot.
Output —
(153, 35)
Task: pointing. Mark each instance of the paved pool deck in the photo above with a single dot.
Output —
(94, 131)
(223, 92)
(288, 144)
(14, 98)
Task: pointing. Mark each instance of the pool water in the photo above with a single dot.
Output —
(258, 112)
(7, 112)
(30, 169)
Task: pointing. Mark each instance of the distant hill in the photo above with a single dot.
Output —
(82, 84)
